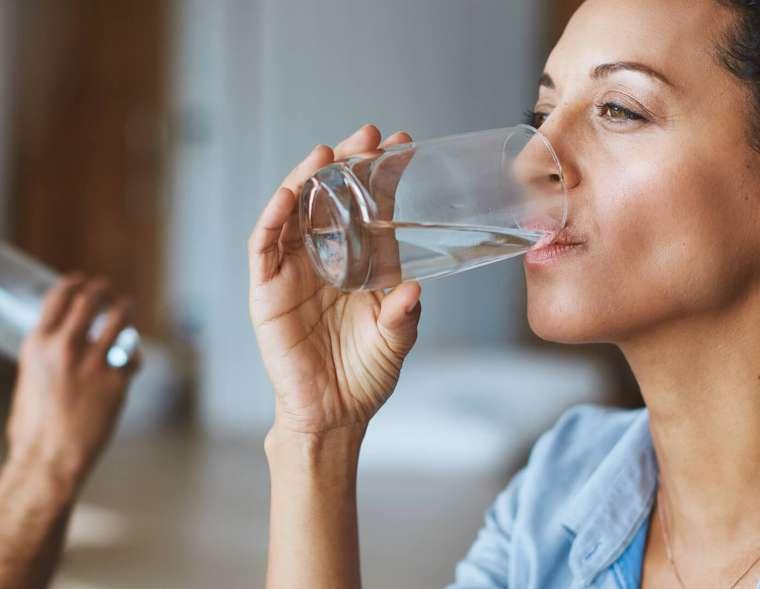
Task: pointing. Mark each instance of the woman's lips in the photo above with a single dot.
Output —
(565, 242)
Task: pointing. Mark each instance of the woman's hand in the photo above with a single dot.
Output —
(333, 358)
(67, 399)
(65, 405)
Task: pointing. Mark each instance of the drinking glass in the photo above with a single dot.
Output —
(432, 208)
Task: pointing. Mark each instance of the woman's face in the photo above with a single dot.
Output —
(664, 189)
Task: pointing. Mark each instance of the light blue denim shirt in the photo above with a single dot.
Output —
(577, 515)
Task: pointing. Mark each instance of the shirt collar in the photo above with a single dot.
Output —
(608, 510)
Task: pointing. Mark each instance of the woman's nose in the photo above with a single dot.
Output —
(536, 168)
(538, 173)
(546, 173)
(544, 161)
(559, 131)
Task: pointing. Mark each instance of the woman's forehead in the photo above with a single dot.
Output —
(672, 36)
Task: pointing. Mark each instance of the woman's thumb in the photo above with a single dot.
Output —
(399, 315)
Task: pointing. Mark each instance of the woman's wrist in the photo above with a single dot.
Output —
(333, 453)
(40, 480)
(65, 468)
(313, 507)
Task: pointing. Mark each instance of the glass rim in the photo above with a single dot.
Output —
(555, 158)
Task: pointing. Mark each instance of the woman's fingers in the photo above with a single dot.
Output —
(115, 319)
(108, 328)
(264, 242)
(398, 138)
(57, 301)
(399, 315)
(319, 157)
(277, 228)
(263, 245)
(394, 165)
(364, 139)
(86, 304)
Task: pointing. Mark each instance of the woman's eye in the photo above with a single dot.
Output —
(535, 119)
(611, 111)
(616, 113)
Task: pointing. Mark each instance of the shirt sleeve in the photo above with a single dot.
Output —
(487, 563)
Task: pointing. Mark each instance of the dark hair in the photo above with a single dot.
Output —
(740, 53)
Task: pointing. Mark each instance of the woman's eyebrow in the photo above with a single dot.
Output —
(606, 69)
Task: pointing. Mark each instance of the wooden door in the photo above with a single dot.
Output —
(89, 150)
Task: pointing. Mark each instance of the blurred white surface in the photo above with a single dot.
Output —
(92, 526)
(478, 408)
(177, 510)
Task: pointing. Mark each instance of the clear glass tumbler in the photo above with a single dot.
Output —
(23, 284)
(432, 208)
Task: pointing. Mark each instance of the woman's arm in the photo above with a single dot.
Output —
(314, 539)
(35, 505)
(333, 359)
(65, 405)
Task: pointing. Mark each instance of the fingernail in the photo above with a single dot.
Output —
(412, 308)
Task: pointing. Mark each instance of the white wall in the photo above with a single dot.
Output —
(269, 79)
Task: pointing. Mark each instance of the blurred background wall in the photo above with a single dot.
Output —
(294, 74)
(7, 48)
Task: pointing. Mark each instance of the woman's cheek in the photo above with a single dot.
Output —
(665, 240)
(624, 282)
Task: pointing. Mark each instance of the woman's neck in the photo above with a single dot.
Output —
(700, 379)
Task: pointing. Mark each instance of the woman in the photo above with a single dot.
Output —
(654, 109)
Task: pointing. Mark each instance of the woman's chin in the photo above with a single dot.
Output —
(564, 324)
